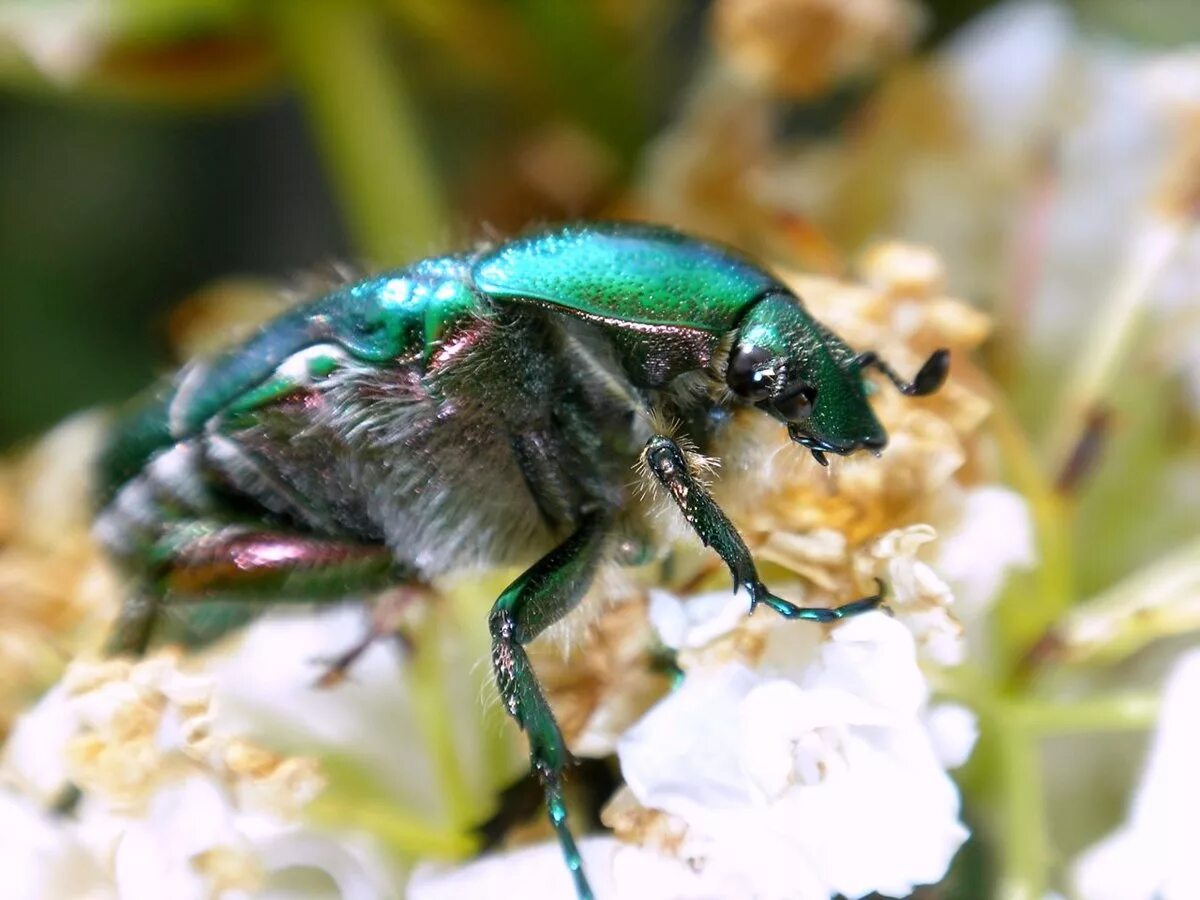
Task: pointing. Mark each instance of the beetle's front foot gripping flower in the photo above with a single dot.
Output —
(760, 594)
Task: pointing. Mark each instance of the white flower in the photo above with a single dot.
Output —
(993, 534)
(533, 872)
(696, 621)
(1153, 855)
(60, 38)
(811, 777)
(42, 859)
(999, 67)
(616, 871)
(171, 804)
(954, 730)
(266, 684)
(918, 597)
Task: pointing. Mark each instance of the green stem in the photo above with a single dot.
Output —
(1018, 726)
(1122, 712)
(495, 730)
(1025, 834)
(409, 836)
(365, 126)
(1022, 615)
(594, 76)
(431, 706)
(1113, 329)
(1155, 602)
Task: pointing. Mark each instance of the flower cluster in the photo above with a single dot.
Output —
(154, 798)
(803, 48)
(816, 776)
(58, 591)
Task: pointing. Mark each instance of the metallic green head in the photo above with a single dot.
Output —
(787, 364)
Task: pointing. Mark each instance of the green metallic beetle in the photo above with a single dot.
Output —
(485, 408)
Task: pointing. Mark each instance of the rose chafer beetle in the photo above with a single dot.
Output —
(484, 408)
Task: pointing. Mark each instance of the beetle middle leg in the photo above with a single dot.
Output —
(386, 621)
(667, 462)
(541, 596)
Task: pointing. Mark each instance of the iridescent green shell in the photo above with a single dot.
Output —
(664, 299)
(626, 273)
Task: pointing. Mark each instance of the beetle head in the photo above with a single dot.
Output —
(789, 366)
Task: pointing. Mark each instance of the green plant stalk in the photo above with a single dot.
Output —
(1107, 345)
(1025, 834)
(354, 799)
(1022, 616)
(408, 836)
(431, 705)
(365, 126)
(495, 730)
(596, 81)
(1157, 601)
(1120, 712)
(1020, 725)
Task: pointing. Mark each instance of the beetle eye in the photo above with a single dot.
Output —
(749, 374)
(797, 403)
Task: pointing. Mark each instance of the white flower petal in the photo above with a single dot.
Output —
(41, 859)
(154, 857)
(35, 755)
(954, 729)
(62, 38)
(659, 757)
(1119, 867)
(696, 621)
(144, 872)
(344, 864)
(993, 535)
(779, 731)
(821, 782)
(874, 657)
(886, 823)
(1154, 854)
(1001, 63)
(532, 873)
(266, 686)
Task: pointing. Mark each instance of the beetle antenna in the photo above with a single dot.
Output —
(930, 377)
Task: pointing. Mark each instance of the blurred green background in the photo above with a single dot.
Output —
(188, 156)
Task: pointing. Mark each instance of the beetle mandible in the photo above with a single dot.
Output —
(483, 408)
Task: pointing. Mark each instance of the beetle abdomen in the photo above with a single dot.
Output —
(394, 317)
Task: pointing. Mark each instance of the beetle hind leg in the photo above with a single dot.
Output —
(541, 596)
(206, 579)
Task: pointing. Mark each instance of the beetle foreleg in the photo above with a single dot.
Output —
(541, 596)
(826, 613)
(669, 465)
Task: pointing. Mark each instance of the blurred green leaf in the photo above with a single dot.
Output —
(1159, 601)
